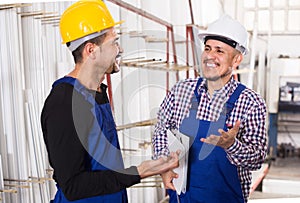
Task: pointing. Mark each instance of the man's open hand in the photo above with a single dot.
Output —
(159, 166)
(225, 139)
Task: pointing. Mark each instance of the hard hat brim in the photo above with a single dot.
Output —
(115, 24)
(203, 34)
(120, 22)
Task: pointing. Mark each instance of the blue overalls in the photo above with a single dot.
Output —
(103, 146)
(211, 177)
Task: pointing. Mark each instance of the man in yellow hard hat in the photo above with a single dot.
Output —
(77, 123)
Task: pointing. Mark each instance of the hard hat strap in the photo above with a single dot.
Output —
(76, 43)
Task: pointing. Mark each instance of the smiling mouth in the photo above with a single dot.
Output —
(210, 64)
(116, 65)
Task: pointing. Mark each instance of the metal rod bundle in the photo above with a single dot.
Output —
(30, 51)
(12, 103)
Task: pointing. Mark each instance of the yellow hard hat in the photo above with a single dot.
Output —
(84, 18)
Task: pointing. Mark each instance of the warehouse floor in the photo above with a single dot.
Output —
(281, 183)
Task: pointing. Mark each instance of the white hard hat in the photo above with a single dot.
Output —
(229, 30)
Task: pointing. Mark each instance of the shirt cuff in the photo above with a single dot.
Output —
(131, 176)
(235, 148)
(164, 152)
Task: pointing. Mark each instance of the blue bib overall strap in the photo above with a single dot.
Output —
(211, 177)
(103, 145)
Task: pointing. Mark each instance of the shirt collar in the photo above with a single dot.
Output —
(225, 90)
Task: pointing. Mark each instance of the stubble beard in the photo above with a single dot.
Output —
(215, 78)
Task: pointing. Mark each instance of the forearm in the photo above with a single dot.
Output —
(250, 147)
(94, 183)
(249, 157)
(165, 116)
(160, 142)
(70, 161)
(158, 166)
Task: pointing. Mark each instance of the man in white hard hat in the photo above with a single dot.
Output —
(224, 119)
(78, 127)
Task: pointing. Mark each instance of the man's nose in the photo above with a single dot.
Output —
(210, 54)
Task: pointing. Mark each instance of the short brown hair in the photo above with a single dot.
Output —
(77, 53)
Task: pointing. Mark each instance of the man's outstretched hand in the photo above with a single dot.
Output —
(225, 139)
(159, 166)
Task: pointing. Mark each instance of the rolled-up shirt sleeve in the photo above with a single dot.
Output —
(249, 149)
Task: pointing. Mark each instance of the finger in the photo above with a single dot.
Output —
(167, 179)
(207, 140)
(236, 127)
(224, 134)
(172, 161)
(169, 186)
(174, 175)
(212, 139)
(221, 131)
(175, 154)
(162, 159)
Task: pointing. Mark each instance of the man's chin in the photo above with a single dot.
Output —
(116, 68)
(113, 69)
(212, 78)
(218, 77)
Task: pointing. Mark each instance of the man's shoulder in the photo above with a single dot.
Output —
(186, 83)
(252, 96)
(60, 94)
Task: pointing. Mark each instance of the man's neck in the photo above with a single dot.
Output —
(213, 86)
(87, 77)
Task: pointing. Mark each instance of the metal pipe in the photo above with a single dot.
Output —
(191, 11)
(141, 12)
(110, 95)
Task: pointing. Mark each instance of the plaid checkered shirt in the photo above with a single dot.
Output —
(249, 149)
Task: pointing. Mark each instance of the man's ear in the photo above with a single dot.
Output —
(89, 50)
(237, 60)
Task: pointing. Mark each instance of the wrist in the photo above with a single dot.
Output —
(141, 170)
